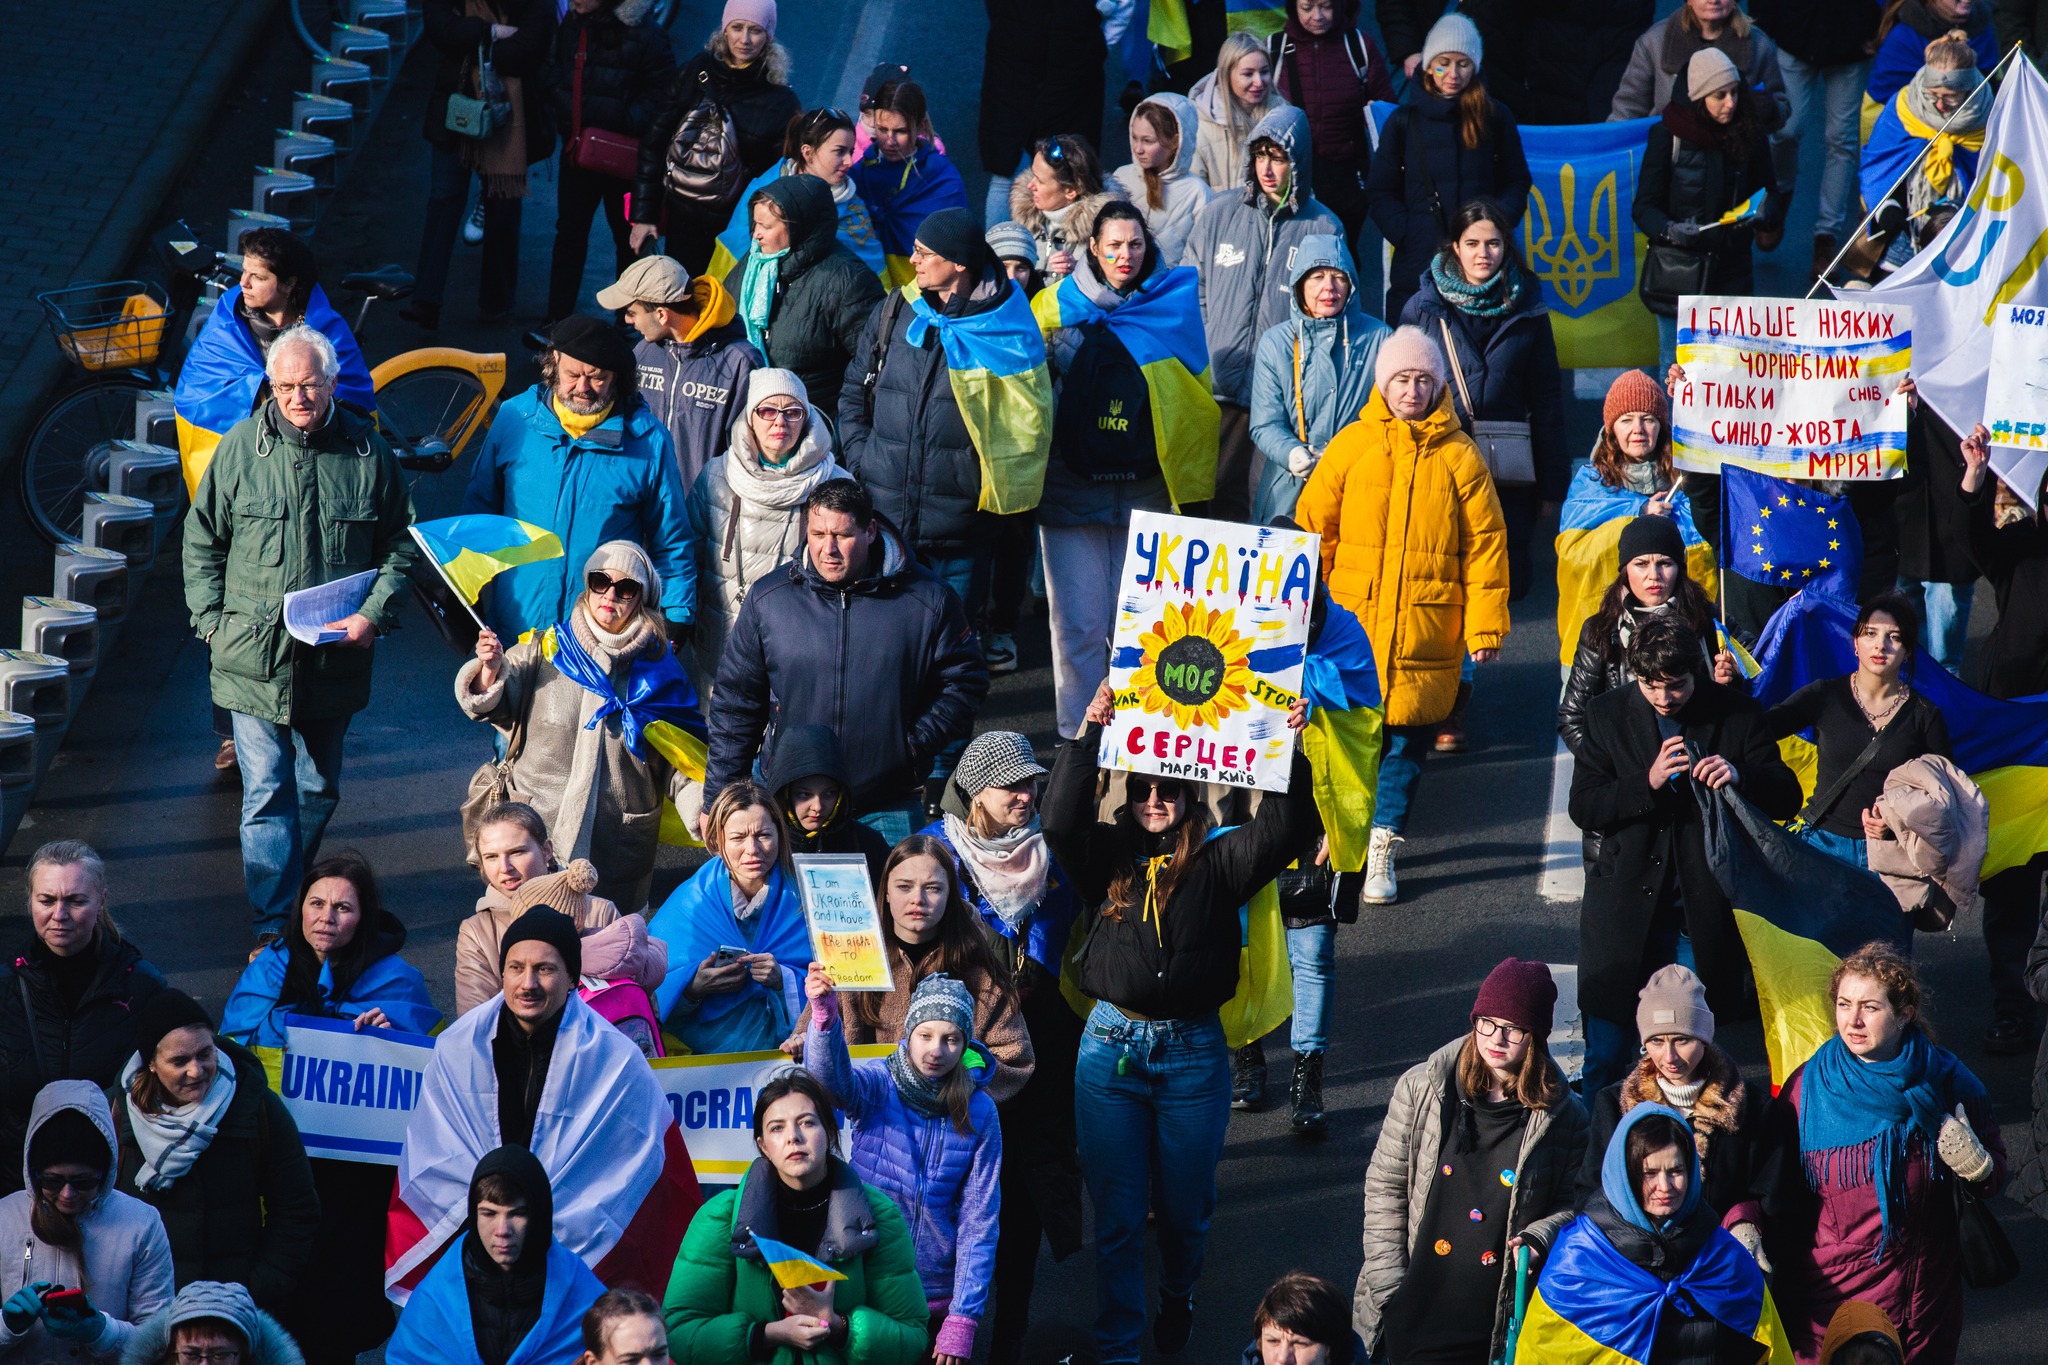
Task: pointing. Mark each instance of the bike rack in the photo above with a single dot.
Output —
(339, 78)
(99, 578)
(156, 419)
(310, 154)
(154, 473)
(285, 194)
(372, 47)
(393, 17)
(125, 525)
(326, 116)
(66, 630)
(242, 220)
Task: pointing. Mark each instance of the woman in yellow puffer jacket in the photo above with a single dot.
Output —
(1413, 542)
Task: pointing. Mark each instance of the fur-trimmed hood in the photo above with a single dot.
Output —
(269, 1343)
(1072, 228)
(1717, 1112)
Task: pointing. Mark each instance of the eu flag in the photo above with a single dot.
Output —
(1790, 536)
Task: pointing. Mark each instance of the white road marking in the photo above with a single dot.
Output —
(864, 51)
(1564, 865)
(1567, 1036)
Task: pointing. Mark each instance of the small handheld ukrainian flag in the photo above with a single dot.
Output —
(469, 551)
(791, 1268)
(1745, 211)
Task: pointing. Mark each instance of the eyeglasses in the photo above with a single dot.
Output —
(318, 386)
(771, 414)
(51, 1183)
(603, 583)
(1486, 1028)
(208, 1355)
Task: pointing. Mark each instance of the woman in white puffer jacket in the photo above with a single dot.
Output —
(1165, 131)
(747, 507)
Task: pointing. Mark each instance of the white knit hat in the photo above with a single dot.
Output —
(1454, 33)
(775, 384)
(1409, 348)
(1709, 70)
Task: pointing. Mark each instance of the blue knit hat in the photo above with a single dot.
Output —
(943, 998)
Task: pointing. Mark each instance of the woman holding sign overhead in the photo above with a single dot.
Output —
(1152, 1088)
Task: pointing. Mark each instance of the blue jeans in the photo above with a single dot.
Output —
(1839, 92)
(968, 576)
(1854, 852)
(896, 822)
(1945, 619)
(1151, 1103)
(1612, 1046)
(1312, 952)
(1401, 751)
(1667, 345)
(291, 783)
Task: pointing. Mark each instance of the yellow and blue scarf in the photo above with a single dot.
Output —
(996, 362)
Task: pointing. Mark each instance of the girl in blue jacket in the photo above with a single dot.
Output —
(925, 1130)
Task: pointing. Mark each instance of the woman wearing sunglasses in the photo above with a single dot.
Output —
(75, 1231)
(1152, 1086)
(576, 703)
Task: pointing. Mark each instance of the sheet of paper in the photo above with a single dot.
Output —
(307, 611)
(846, 924)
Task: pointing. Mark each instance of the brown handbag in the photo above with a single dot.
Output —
(493, 783)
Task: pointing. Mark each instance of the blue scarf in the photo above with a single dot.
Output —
(697, 920)
(657, 691)
(1618, 1182)
(1857, 1119)
(1498, 296)
(757, 293)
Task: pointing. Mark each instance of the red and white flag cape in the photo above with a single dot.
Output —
(623, 1184)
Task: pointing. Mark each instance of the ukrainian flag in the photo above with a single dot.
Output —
(900, 196)
(1161, 326)
(1344, 733)
(1588, 557)
(471, 550)
(1744, 211)
(1580, 240)
(996, 362)
(791, 1268)
(856, 229)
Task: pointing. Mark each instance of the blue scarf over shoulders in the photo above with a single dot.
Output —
(657, 691)
(436, 1328)
(254, 1018)
(697, 920)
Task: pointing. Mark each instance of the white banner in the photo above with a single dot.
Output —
(712, 1098)
(350, 1091)
(1989, 255)
(2016, 399)
(1793, 388)
(1211, 628)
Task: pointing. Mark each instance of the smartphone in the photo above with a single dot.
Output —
(725, 955)
(70, 1299)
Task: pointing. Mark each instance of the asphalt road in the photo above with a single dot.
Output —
(135, 778)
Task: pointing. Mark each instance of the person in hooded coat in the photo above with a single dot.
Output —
(83, 1234)
(1313, 374)
(1229, 102)
(1161, 182)
(511, 1294)
(808, 777)
(1242, 244)
(211, 1314)
(809, 299)
(1905, 29)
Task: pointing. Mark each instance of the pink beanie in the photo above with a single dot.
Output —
(1409, 348)
(760, 12)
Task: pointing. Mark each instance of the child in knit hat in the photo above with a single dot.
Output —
(925, 1130)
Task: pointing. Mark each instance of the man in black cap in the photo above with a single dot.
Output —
(539, 962)
(581, 455)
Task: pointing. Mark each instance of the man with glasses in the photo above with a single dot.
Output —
(304, 492)
(582, 455)
(693, 355)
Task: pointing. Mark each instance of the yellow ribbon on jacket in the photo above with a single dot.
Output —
(1939, 166)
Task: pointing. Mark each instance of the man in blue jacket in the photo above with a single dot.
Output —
(856, 635)
(581, 455)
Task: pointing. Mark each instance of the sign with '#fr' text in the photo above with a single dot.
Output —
(1211, 628)
(2016, 398)
(1795, 388)
(712, 1098)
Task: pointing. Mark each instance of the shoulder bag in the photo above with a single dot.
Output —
(1509, 450)
(1670, 270)
(487, 111)
(1984, 1251)
(595, 149)
(493, 783)
(704, 167)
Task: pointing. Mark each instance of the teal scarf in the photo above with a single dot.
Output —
(1500, 294)
(757, 293)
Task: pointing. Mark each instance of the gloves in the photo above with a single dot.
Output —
(1301, 462)
(24, 1306)
(1752, 1242)
(81, 1323)
(1960, 1150)
(1683, 234)
(682, 635)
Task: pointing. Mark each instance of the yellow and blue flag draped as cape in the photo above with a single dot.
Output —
(224, 372)
(1588, 550)
(996, 362)
(1897, 138)
(1344, 734)
(1580, 241)
(659, 710)
(1160, 324)
(791, 1268)
(900, 195)
(856, 229)
(471, 550)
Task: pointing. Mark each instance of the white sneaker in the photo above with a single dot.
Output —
(473, 228)
(1000, 652)
(1381, 886)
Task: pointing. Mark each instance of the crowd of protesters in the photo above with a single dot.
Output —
(786, 515)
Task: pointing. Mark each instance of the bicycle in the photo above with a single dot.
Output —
(431, 403)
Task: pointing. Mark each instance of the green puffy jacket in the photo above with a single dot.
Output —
(721, 1288)
(277, 511)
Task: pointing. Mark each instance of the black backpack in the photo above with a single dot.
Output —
(1103, 426)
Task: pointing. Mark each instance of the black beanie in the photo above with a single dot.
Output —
(582, 337)
(1652, 536)
(551, 927)
(66, 1136)
(167, 1011)
(953, 235)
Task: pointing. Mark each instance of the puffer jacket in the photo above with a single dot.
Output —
(126, 1262)
(1403, 1168)
(747, 520)
(760, 107)
(269, 1342)
(945, 1181)
(1321, 75)
(618, 481)
(1244, 245)
(477, 939)
(600, 801)
(1333, 358)
(1656, 68)
(627, 65)
(914, 453)
(1510, 366)
(698, 386)
(1941, 825)
(455, 37)
(1422, 173)
(1687, 177)
(1413, 542)
(824, 295)
(1066, 230)
(1184, 192)
(1219, 151)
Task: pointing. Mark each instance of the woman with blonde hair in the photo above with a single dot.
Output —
(1230, 101)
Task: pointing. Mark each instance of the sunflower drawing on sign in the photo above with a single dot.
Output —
(1193, 667)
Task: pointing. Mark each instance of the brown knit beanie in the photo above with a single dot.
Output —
(1634, 391)
(1710, 70)
(1674, 1002)
(567, 891)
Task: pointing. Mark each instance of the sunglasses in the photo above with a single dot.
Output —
(81, 1184)
(768, 412)
(1169, 790)
(602, 583)
(1054, 151)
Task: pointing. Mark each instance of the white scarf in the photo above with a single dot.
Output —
(173, 1140)
(1009, 871)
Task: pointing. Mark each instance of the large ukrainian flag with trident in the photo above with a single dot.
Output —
(1578, 238)
(996, 363)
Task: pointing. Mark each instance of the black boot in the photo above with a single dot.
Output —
(1248, 1077)
(1307, 1093)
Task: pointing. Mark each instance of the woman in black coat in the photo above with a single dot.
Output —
(623, 69)
(1041, 75)
(746, 72)
(517, 40)
(820, 299)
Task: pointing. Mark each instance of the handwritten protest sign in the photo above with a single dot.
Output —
(2016, 398)
(846, 926)
(1212, 623)
(350, 1091)
(1795, 388)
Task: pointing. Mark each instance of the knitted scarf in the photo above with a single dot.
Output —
(1857, 1119)
(1500, 294)
(171, 1141)
(757, 293)
(923, 1094)
(1009, 870)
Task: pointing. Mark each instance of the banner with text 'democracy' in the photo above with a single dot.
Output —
(1793, 388)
